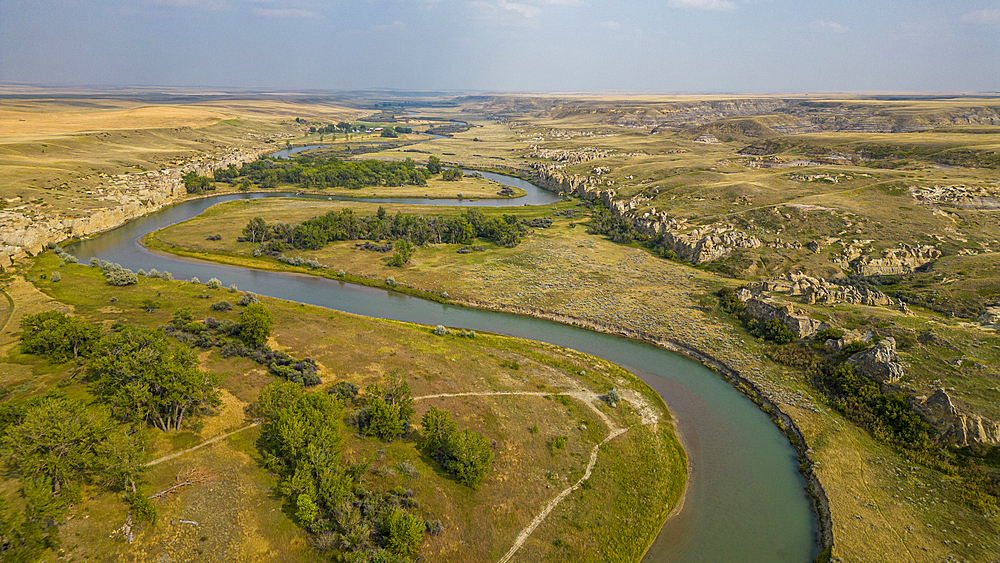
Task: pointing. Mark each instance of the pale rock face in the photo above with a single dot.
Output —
(696, 246)
(133, 195)
(902, 260)
(879, 363)
(819, 290)
(764, 309)
(835, 345)
(951, 423)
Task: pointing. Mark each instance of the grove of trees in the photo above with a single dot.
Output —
(343, 224)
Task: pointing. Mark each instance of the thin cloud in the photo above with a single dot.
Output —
(982, 17)
(612, 25)
(284, 13)
(396, 25)
(827, 26)
(523, 9)
(713, 5)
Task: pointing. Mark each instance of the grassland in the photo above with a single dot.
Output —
(783, 173)
(237, 511)
(884, 507)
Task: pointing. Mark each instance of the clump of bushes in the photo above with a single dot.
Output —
(116, 275)
(247, 299)
(65, 256)
(214, 283)
(467, 455)
(387, 409)
(612, 397)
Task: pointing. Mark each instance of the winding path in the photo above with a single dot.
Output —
(199, 446)
(587, 398)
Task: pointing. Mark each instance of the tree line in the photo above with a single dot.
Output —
(336, 225)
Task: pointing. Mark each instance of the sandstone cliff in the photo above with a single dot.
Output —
(764, 309)
(895, 261)
(128, 197)
(818, 290)
(696, 245)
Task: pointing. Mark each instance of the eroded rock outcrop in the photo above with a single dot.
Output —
(129, 196)
(764, 309)
(895, 261)
(818, 290)
(696, 245)
(879, 362)
(954, 425)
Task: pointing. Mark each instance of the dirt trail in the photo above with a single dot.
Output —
(523, 536)
(199, 446)
(586, 397)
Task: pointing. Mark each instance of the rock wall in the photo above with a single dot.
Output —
(895, 261)
(954, 425)
(765, 309)
(695, 245)
(128, 197)
(818, 290)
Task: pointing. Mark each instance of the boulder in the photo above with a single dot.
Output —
(879, 362)
(954, 425)
(798, 322)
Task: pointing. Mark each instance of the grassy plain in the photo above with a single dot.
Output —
(238, 512)
(56, 153)
(884, 506)
(838, 189)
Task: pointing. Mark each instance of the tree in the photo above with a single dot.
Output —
(470, 457)
(195, 184)
(437, 428)
(388, 408)
(403, 532)
(126, 451)
(257, 322)
(54, 335)
(434, 165)
(256, 230)
(467, 455)
(58, 441)
(452, 174)
(141, 377)
(403, 253)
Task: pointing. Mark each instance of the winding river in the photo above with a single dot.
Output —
(745, 501)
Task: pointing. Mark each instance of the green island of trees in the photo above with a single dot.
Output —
(313, 234)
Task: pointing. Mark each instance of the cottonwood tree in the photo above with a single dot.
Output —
(256, 230)
(256, 321)
(57, 441)
(142, 378)
(54, 335)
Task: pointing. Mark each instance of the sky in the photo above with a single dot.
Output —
(685, 46)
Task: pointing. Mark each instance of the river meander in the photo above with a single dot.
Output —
(745, 500)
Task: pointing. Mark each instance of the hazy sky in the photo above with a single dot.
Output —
(523, 45)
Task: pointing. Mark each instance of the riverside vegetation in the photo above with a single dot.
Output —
(819, 218)
(808, 203)
(352, 449)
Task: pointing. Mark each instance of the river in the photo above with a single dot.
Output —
(746, 500)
